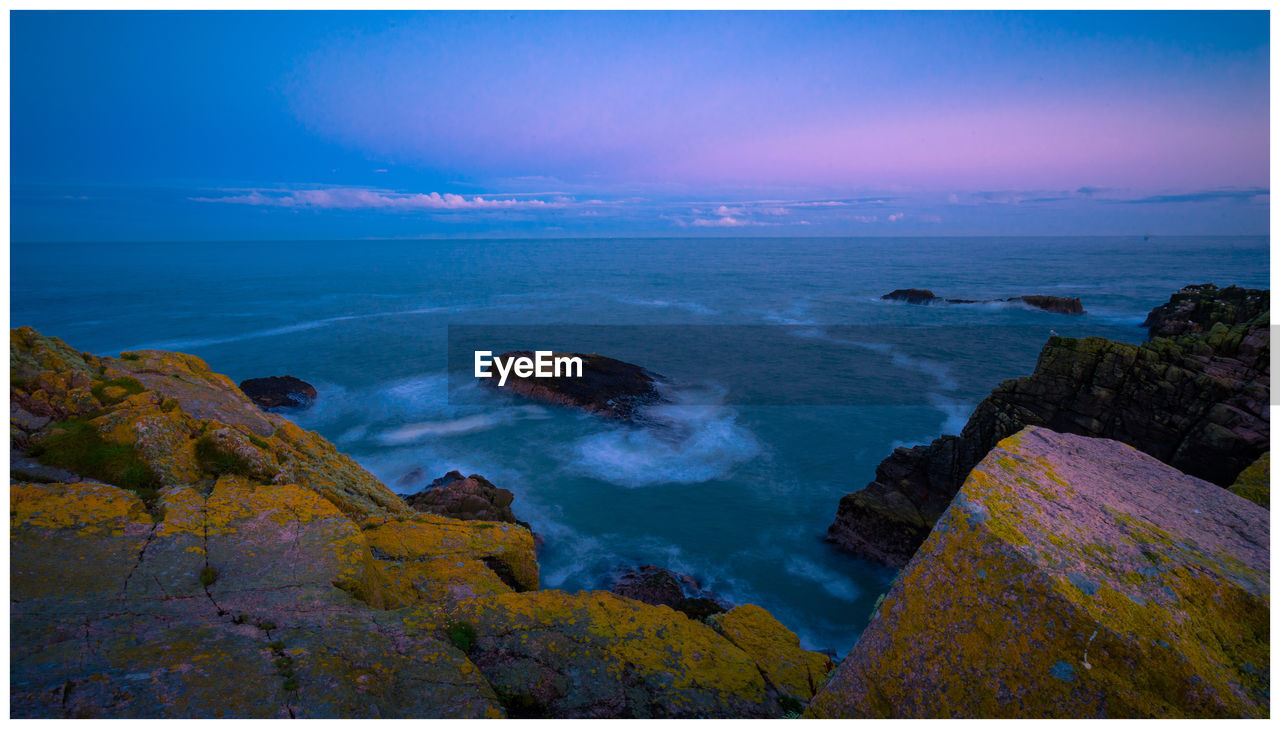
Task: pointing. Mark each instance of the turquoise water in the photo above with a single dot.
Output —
(791, 379)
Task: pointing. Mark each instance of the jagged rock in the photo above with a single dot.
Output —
(608, 387)
(1254, 483)
(1195, 309)
(594, 654)
(470, 497)
(279, 392)
(159, 418)
(776, 650)
(1198, 403)
(1072, 577)
(660, 586)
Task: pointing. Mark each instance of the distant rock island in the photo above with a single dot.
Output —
(1055, 304)
(608, 387)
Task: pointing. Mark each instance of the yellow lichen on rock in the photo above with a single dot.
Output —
(596, 654)
(1072, 577)
(1254, 483)
(775, 649)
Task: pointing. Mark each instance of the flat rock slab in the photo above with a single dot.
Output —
(1072, 577)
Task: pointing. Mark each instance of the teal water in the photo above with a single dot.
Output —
(737, 482)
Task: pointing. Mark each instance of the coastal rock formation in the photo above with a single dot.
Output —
(659, 586)
(608, 387)
(1195, 309)
(1055, 304)
(470, 497)
(594, 654)
(1054, 588)
(1254, 483)
(198, 557)
(279, 392)
(1198, 403)
(792, 670)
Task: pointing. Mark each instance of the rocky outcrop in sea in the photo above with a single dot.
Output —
(279, 392)
(1055, 304)
(1197, 402)
(1072, 577)
(195, 556)
(465, 497)
(608, 387)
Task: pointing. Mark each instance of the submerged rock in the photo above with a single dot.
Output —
(1195, 309)
(608, 387)
(1072, 577)
(468, 498)
(279, 392)
(1198, 403)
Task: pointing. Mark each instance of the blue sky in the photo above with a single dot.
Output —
(208, 126)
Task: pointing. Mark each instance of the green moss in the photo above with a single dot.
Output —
(219, 462)
(132, 356)
(259, 442)
(1254, 483)
(128, 384)
(462, 634)
(790, 705)
(76, 445)
(208, 576)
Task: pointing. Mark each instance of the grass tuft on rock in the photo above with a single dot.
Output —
(208, 576)
(219, 462)
(76, 445)
(462, 634)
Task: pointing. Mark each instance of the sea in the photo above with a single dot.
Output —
(785, 378)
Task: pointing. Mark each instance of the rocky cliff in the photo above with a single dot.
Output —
(1197, 402)
(1053, 587)
(178, 552)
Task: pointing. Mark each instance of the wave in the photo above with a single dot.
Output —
(834, 583)
(690, 306)
(674, 443)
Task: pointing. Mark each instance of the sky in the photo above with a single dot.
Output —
(318, 125)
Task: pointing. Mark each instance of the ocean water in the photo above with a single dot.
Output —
(787, 379)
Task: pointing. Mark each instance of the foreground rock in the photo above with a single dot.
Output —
(465, 497)
(1053, 587)
(659, 586)
(792, 670)
(1254, 482)
(193, 556)
(1198, 403)
(279, 392)
(608, 387)
(1055, 304)
(1195, 309)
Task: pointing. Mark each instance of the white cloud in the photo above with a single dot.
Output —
(895, 217)
(354, 198)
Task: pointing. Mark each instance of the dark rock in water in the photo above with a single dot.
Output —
(1195, 309)
(1072, 577)
(279, 392)
(1198, 403)
(1055, 304)
(911, 296)
(608, 387)
(471, 498)
(658, 586)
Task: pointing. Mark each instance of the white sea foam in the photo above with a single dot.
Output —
(676, 443)
(834, 583)
(690, 306)
(437, 428)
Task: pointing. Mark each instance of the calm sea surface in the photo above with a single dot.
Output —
(790, 378)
